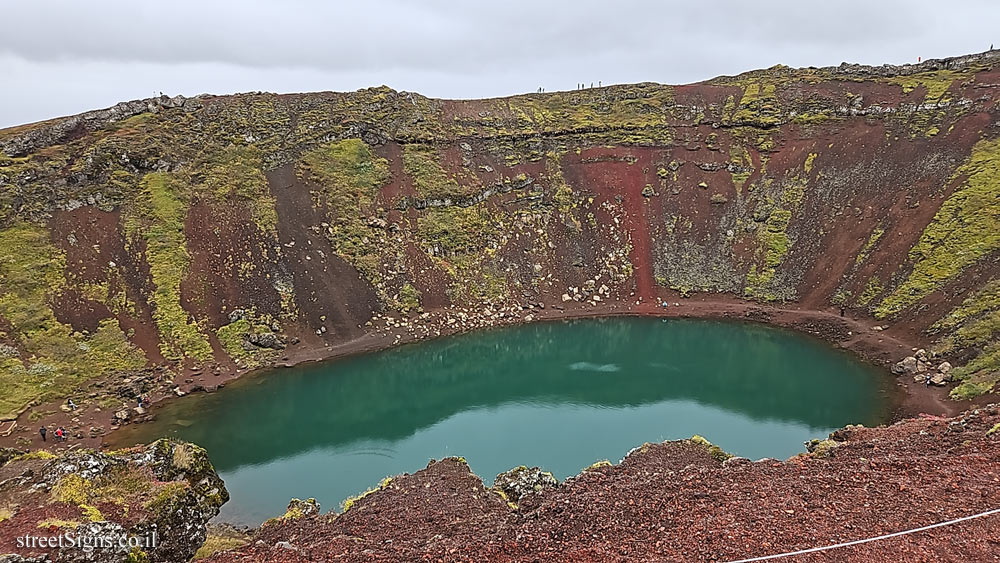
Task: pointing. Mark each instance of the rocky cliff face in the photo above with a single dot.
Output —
(170, 236)
(160, 496)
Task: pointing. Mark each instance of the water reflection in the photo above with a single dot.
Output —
(558, 392)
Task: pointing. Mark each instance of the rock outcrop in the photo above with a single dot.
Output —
(149, 503)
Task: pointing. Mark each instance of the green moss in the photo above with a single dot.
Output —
(351, 501)
(641, 109)
(58, 523)
(233, 335)
(970, 390)
(872, 290)
(237, 170)
(775, 243)
(597, 465)
(759, 106)
(866, 250)
(430, 180)
(456, 230)
(217, 544)
(823, 448)
(409, 298)
(158, 214)
(37, 454)
(72, 489)
(349, 173)
(975, 323)
(740, 156)
(168, 498)
(994, 430)
(715, 451)
(350, 176)
(510, 504)
(965, 229)
(53, 359)
(935, 82)
(812, 118)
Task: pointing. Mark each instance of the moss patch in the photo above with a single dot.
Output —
(216, 544)
(237, 170)
(350, 176)
(350, 502)
(157, 215)
(50, 359)
(715, 451)
(423, 164)
(965, 229)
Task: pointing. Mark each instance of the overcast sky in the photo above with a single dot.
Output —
(60, 57)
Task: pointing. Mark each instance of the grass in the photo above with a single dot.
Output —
(965, 229)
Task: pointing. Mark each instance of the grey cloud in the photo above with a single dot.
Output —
(101, 52)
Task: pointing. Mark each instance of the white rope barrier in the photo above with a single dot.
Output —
(866, 540)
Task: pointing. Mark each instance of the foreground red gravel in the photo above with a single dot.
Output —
(677, 501)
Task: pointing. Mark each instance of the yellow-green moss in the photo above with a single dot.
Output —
(349, 173)
(54, 359)
(597, 465)
(715, 451)
(232, 336)
(409, 298)
(350, 176)
(36, 454)
(461, 240)
(876, 234)
(872, 290)
(759, 105)
(216, 544)
(157, 214)
(456, 230)
(430, 180)
(965, 229)
(823, 449)
(351, 501)
(58, 523)
(167, 498)
(237, 170)
(935, 82)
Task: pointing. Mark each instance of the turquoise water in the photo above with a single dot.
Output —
(558, 395)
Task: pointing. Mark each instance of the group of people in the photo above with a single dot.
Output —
(60, 433)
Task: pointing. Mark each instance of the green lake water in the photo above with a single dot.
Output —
(559, 395)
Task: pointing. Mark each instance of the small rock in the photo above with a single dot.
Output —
(521, 481)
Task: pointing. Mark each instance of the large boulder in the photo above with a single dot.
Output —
(150, 503)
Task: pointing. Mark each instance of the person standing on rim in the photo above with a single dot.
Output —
(42, 431)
